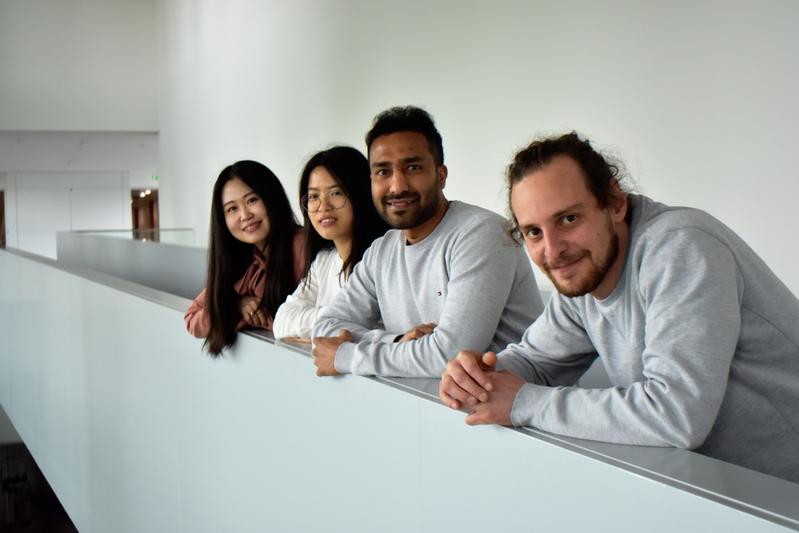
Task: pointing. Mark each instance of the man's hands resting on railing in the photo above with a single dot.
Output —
(471, 382)
(324, 352)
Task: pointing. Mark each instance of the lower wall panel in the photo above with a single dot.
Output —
(137, 430)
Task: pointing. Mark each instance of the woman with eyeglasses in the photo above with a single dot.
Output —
(340, 224)
(254, 256)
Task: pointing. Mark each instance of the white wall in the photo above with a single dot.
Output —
(38, 205)
(76, 78)
(699, 98)
(137, 430)
(58, 181)
(78, 65)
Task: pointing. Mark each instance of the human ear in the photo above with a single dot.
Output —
(618, 201)
(442, 175)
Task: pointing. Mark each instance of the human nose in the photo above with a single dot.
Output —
(399, 182)
(554, 246)
(324, 203)
(245, 212)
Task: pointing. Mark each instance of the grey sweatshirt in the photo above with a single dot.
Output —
(467, 276)
(700, 340)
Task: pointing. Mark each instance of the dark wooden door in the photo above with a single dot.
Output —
(144, 210)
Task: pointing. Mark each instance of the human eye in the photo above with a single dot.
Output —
(230, 209)
(413, 167)
(336, 193)
(313, 197)
(253, 199)
(568, 220)
(381, 172)
(532, 233)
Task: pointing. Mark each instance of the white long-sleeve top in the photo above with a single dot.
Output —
(297, 315)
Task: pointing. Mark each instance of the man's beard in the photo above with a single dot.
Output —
(411, 218)
(596, 273)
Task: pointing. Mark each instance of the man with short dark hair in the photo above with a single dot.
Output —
(698, 336)
(421, 279)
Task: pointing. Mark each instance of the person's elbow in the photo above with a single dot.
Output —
(681, 417)
(688, 424)
(197, 328)
(689, 439)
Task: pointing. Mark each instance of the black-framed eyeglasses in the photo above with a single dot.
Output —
(312, 202)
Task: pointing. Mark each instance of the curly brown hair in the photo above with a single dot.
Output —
(602, 176)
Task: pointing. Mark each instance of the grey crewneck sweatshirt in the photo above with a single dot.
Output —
(700, 340)
(467, 276)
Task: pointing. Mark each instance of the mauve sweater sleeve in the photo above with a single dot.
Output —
(196, 318)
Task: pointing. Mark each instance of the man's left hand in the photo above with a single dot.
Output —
(324, 352)
(496, 410)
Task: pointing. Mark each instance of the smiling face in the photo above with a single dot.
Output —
(407, 185)
(333, 220)
(579, 245)
(245, 213)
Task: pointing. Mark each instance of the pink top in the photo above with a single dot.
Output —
(252, 283)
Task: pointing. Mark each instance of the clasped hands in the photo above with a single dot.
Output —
(251, 312)
(470, 382)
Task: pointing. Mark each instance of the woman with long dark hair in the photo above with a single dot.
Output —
(340, 224)
(255, 256)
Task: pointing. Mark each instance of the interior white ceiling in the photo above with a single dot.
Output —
(45, 151)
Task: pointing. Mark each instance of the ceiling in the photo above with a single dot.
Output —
(46, 151)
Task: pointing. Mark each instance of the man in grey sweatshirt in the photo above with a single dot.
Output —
(448, 274)
(699, 337)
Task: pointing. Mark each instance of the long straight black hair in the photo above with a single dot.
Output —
(229, 258)
(350, 169)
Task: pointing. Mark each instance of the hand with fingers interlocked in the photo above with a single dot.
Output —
(471, 382)
(251, 312)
